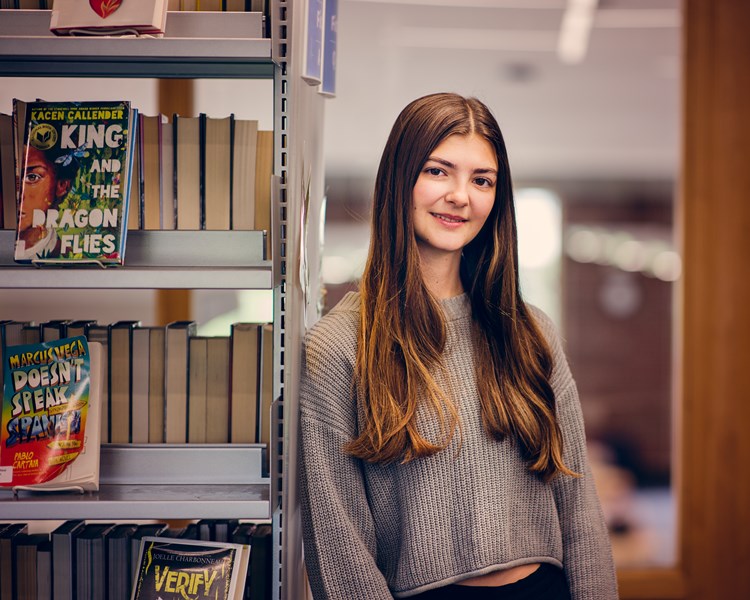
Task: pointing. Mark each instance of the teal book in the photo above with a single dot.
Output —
(75, 182)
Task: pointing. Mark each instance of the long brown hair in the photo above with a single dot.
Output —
(402, 328)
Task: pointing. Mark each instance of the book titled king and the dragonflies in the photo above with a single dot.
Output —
(75, 182)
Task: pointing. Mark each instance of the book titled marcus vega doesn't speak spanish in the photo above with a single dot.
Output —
(75, 182)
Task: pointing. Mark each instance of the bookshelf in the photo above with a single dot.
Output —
(129, 488)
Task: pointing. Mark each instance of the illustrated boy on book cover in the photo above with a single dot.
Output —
(74, 182)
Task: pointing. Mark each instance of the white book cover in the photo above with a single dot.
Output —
(109, 16)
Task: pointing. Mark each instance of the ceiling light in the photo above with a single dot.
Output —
(575, 30)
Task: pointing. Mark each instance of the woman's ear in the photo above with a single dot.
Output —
(62, 188)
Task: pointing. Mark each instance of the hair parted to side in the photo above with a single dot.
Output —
(402, 328)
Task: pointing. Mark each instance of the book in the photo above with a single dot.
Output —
(166, 158)
(156, 374)
(201, 570)
(31, 334)
(217, 390)
(44, 570)
(75, 186)
(119, 569)
(11, 334)
(142, 531)
(100, 334)
(108, 17)
(244, 150)
(263, 176)
(121, 380)
(187, 166)
(50, 416)
(197, 390)
(64, 550)
(266, 389)
(176, 352)
(243, 408)
(149, 136)
(27, 566)
(135, 199)
(216, 172)
(140, 385)
(7, 174)
(18, 118)
(91, 561)
(80, 327)
(55, 329)
(261, 563)
(8, 540)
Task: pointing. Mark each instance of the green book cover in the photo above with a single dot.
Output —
(75, 183)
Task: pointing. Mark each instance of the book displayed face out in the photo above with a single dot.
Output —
(75, 181)
(108, 16)
(50, 415)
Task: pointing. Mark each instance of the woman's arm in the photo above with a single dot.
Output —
(338, 530)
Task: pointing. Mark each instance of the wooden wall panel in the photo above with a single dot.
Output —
(715, 410)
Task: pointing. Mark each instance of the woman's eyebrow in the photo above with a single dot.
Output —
(450, 165)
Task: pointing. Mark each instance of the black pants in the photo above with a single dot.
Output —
(546, 583)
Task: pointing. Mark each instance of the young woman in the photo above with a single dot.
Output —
(442, 445)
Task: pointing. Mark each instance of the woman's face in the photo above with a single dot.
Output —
(454, 194)
(41, 187)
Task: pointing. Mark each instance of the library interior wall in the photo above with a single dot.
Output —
(215, 310)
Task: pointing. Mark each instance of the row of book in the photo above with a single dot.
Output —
(82, 560)
(72, 173)
(173, 5)
(169, 385)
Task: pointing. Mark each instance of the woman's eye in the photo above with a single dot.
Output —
(483, 182)
(33, 177)
(433, 171)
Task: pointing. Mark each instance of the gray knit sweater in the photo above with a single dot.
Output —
(374, 532)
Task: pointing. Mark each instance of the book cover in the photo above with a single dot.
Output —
(187, 171)
(7, 173)
(121, 381)
(50, 417)
(91, 561)
(263, 177)
(244, 145)
(170, 569)
(217, 390)
(156, 386)
(216, 174)
(139, 397)
(64, 550)
(9, 536)
(149, 136)
(166, 159)
(197, 387)
(177, 362)
(108, 17)
(243, 408)
(75, 182)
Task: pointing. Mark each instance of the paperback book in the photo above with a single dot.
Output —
(75, 182)
(175, 569)
(108, 17)
(50, 416)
